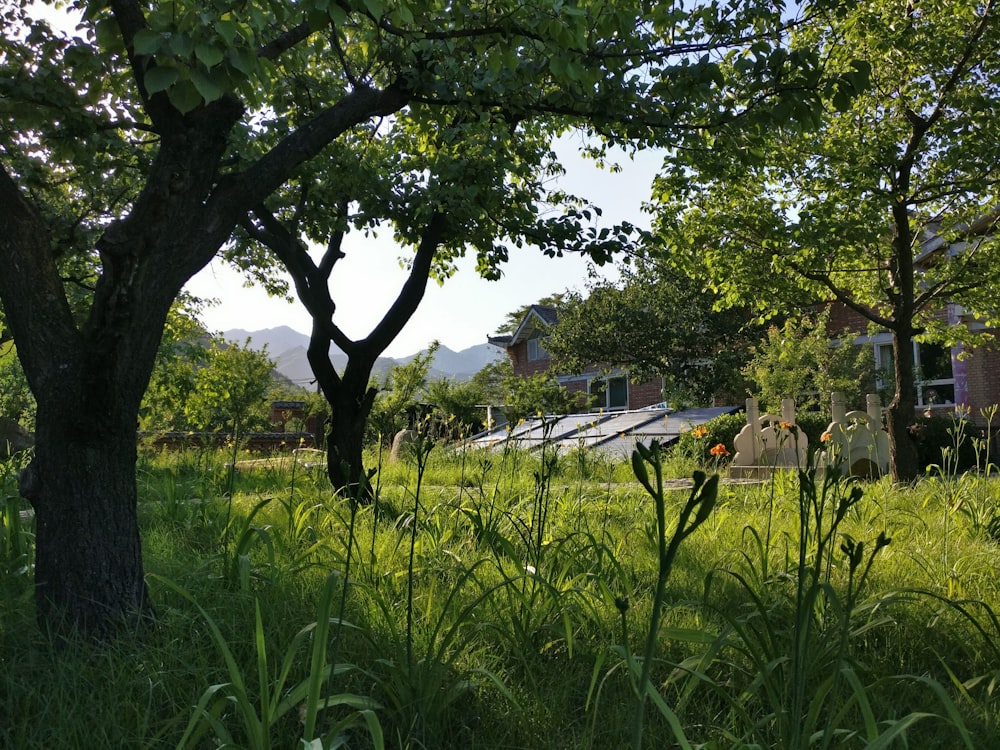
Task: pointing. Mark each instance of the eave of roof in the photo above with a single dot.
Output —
(547, 316)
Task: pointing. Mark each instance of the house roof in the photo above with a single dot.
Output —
(933, 241)
(537, 317)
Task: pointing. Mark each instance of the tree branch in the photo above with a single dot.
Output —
(311, 285)
(413, 289)
(841, 296)
(30, 288)
(244, 191)
(333, 252)
(131, 20)
(285, 41)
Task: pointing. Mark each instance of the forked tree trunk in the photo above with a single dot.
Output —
(346, 440)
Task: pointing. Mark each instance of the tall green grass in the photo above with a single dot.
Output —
(525, 599)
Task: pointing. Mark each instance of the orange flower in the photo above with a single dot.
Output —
(786, 425)
(826, 437)
(719, 450)
(700, 431)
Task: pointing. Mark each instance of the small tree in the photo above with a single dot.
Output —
(458, 404)
(538, 394)
(182, 350)
(229, 391)
(398, 394)
(802, 360)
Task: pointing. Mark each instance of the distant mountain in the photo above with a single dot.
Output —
(287, 348)
(277, 340)
(460, 365)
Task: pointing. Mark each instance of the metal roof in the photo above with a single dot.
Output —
(610, 432)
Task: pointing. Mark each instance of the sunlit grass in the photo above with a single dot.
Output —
(506, 629)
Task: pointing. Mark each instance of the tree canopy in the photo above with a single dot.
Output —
(798, 361)
(657, 322)
(888, 207)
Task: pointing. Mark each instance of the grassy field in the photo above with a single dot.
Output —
(526, 600)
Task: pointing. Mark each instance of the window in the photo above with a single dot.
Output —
(536, 350)
(935, 379)
(934, 376)
(608, 393)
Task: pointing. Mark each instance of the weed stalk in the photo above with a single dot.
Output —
(700, 502)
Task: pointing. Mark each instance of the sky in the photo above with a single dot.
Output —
(466, 308)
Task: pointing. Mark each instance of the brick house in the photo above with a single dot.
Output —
(609, 387)
(946, 377)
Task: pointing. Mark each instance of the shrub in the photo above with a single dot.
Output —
(813, 424)
(697, 443)
(935, 433)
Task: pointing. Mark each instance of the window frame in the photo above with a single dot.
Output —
(883, 348)
(536, 350)
(601, 387)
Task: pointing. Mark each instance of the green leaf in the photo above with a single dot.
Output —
(243, 60)
(160, 78)
(108, 34)
(181, 45)
(184, 96)
(147, 42)
(209, 89)
(402, 14)
(227, 30)
(208, 54)
(337, 15)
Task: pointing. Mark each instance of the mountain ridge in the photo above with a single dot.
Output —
(287, 349)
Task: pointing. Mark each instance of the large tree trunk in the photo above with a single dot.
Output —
(89, 373)
(89, 369)
(901, 412)
(350, 400)
(88, 557)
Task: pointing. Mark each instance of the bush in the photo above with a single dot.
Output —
(933, 434)
(696, 444)
(813, 424)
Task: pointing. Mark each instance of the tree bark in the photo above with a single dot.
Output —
(901, 412)
(350, 399)
(345, 441)
(88, 558)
